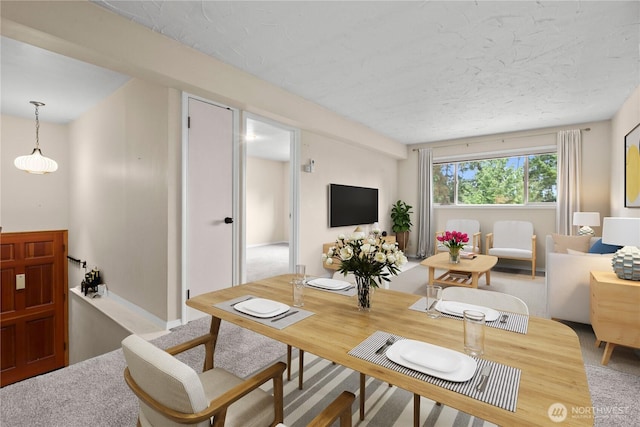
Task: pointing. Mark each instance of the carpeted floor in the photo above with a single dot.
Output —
(93, 392)
(267, 261)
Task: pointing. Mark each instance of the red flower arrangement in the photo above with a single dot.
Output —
(453, 239)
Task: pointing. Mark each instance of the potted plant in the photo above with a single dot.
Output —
(401, 222)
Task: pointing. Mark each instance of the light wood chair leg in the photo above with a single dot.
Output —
(598, 342)
(533, 269)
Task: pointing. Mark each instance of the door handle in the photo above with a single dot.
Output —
(228, 220)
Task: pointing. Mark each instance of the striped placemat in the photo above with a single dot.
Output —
(501, 389)
(515, 322)
(298, 313)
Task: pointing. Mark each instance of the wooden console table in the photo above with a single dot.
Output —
(336, 260)
(615, 311)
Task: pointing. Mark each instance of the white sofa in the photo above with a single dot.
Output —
(567, 281)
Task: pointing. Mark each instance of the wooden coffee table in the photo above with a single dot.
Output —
(466, 273)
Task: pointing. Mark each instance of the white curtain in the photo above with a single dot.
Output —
(425, 207)
(569, 173)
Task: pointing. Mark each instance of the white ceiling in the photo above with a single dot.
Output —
(267, 141)
(414, 71)
(66, 86)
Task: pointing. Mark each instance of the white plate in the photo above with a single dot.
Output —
(432, 360)
(261, 307)
(457, 308)
(330, 284)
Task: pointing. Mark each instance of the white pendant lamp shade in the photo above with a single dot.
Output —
(36, 163)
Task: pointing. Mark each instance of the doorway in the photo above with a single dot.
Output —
(271, 165)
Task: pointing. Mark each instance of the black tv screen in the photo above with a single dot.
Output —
(350, 205)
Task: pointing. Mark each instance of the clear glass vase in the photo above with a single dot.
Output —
(454, 255)
(365, 292)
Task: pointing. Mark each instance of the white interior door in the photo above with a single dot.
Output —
(209, 200)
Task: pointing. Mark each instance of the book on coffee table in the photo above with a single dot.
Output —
(467, 255)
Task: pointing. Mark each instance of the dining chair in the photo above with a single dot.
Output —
(172, 394)
(491, 299)
(469, 226)
(338, 409)
(513, 240)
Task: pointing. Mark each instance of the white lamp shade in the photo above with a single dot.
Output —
(621, 231)
(36, 163)
(586, 218)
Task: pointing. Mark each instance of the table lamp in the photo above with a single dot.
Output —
(624, 232)
(586, 219)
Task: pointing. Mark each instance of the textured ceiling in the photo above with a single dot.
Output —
(423, 71)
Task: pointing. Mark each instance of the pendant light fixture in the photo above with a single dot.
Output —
(36, 163)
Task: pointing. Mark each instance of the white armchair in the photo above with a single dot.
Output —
(513, 240)
(469, 226)
(171, 393)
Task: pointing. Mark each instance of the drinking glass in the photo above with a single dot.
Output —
(473, 332)
(298, 292)
(434, 295)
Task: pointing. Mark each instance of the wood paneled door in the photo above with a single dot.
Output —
(33, 316)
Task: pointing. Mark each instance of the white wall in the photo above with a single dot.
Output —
(120, 192)
(91, 332)
(266, 201)
(622, 123)
(338, 163)
(596, 155)
(33, 202)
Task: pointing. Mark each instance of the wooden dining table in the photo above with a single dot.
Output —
(552, 378)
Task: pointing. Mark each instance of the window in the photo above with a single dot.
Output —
(517, 180)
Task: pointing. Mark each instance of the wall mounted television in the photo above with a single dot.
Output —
(349, 205)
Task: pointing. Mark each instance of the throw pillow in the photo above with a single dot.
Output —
(577, 243)
(602, 248)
